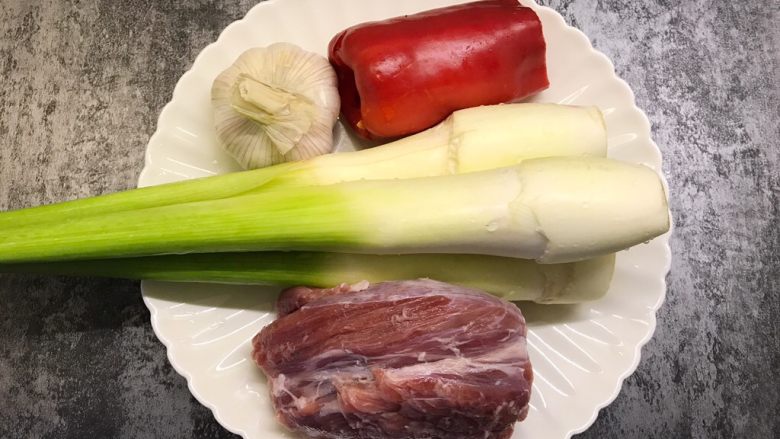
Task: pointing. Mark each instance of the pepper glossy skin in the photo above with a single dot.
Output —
(406, 74)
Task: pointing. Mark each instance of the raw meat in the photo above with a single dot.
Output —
(408, 359)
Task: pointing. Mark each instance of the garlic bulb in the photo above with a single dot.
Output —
(276, 104)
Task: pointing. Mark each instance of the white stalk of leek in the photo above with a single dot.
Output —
(469, 140)
(552, 210)
(510, 278)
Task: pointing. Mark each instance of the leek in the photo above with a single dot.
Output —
(469, 140)
(512, 279)
(552, 210)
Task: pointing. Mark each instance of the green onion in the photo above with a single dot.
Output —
(474, 139)
(513, 279)
(552, 210)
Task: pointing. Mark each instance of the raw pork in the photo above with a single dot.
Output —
(408, 359)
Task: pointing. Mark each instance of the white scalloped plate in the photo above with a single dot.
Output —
(581, 354)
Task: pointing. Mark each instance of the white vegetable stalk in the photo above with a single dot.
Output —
(474, 139)
(510, 278)
(552, 210)
(276, 104)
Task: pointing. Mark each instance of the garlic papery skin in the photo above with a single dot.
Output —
(275, 104)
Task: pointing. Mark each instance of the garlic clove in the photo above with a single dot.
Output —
(276, 104)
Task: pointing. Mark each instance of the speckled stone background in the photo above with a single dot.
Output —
(82, 84)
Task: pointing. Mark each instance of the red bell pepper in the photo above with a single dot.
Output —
(406, 74)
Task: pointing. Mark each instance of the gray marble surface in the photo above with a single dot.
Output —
(84, 80)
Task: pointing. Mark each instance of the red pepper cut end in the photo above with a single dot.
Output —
(403, 75)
